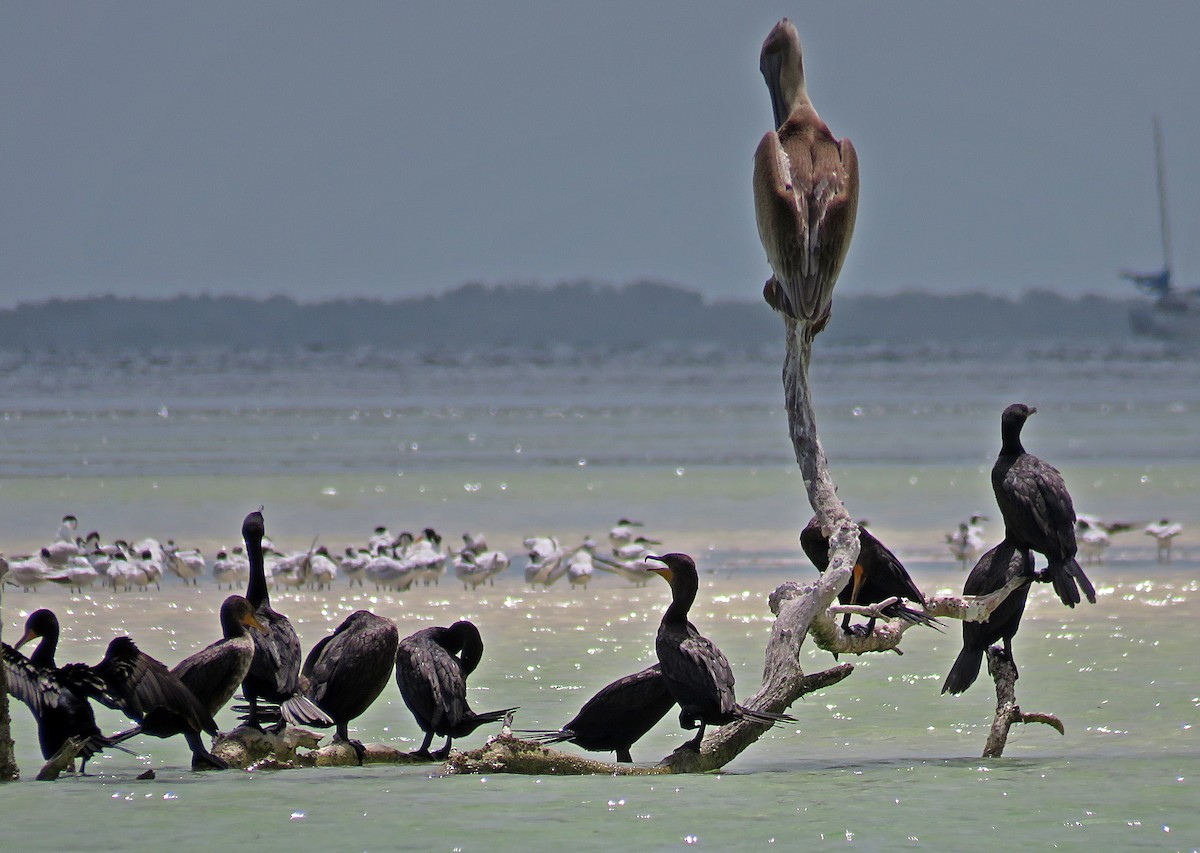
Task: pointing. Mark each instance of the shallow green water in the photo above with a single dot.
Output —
(877, 762)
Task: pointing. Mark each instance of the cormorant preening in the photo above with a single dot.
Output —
(348, 670)
(805, 189)
(878, 575)
(214, 673)
(274, 674)
(142, 688)
(432, 666)
(1037, 509)
(993, 571)
(618, 716)
(698, 676)
(61, 712)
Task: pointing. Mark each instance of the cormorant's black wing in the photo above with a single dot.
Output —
(36, 686)
(702, 669)
(432, 684)
(143, 685)
(214, 673)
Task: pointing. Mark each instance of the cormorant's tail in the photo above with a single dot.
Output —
(964, 672)
(916, 617)
(299, 710)
(543, 736)
(1067, 577)
(486, 717)
(763, 716)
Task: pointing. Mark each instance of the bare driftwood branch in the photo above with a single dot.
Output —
(247, 747)
(62, 760)
(507, 754)
(1008, 711)
(795, 608)
(827, 632)
(8, 760)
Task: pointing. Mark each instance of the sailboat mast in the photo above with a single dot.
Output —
(1162, 197)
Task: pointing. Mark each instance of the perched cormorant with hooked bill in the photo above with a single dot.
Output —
(132, 682)
(994, 571)
(61, 712)
(1037, 508)
(347, 670)
(805, 189)
(878, 575)
(698, 675)
(432, 666)
(617, 717)
(274, 674)
(214, 673)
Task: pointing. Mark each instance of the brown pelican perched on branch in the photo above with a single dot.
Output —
(274, 673)
(348, 669)
(805, 189)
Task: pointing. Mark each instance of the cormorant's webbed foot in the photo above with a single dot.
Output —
(207, 761)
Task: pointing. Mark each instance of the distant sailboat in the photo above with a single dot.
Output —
(1174, 315)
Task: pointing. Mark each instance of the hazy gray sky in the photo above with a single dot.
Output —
(388, 149)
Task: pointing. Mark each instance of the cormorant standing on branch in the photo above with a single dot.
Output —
(878, 575)
(347, 670)
(1037, 509)
(274, 674)
(698, 675)
(214, 673)
(993, 571)
(805, 189)
(61, 712)
(432, 666)
(618, 716)
(142, 688)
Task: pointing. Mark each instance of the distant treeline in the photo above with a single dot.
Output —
(532, 316)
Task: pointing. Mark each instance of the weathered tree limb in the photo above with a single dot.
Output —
(62, 760)
(8, 761)
(247, 747)
(827, 632)
(795, 607)
(507, 754)
(1007, 710)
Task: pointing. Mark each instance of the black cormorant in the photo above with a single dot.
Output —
(214, 673)
(698, 676)
(993, 571)
(878, 575)
(618, 716)
(348, 670)
(61, 712)
(274, 674)
(432, 666)
(130, 681)
(1037, 509)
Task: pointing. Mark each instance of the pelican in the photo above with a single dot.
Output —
(805, 190)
